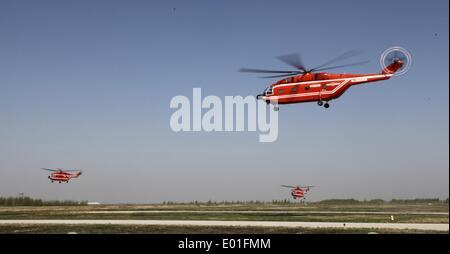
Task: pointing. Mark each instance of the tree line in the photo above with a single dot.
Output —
(27, 201)
(325, 201)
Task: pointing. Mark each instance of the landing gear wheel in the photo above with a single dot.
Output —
(326, 105)
(320, 103)
(276, 108)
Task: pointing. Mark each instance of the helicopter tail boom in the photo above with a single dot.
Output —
(393, 67)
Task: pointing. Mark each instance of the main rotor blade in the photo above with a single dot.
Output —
(346, 55)
(288, 186)
(293, 60)
(282, 75)
(262, 71)
(340, 66)
(49, 169)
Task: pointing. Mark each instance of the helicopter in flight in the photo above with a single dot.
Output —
(62, 175)
(298, 192)
(314, 85)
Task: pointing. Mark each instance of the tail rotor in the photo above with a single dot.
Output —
(396, 61)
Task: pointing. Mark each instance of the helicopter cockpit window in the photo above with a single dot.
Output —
(268, 90)
(289, 80)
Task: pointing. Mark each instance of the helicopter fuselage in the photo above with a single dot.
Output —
(299, 192)
(62, 176)
(319, 87)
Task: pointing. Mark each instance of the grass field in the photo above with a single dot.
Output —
(137, 229)
(263, 212)
(233, 216)
(377, 213)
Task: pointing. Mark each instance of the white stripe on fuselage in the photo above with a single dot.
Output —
(341, 84)
(357, 79)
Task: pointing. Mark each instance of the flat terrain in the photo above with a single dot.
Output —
(220, 218)
(158, 229)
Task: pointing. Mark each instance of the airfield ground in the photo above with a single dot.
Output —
(227, 218)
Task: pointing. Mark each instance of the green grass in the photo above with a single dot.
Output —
(150, 229)
(424, 207)
(81, 212)
(238, 217)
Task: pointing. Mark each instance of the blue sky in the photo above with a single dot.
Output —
(87, 84)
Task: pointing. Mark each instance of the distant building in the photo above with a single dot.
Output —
(93, 203)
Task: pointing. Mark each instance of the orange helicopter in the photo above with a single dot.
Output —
(62, 175)
(309, 85)
(298, 191)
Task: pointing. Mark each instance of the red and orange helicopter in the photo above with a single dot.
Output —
(308, 85)
(62, 175)
(298, 191)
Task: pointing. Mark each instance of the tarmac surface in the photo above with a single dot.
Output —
(262, 212)
(418, 226)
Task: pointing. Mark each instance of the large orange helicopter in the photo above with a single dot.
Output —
(62, 175)
(298, 191)
(308, 85)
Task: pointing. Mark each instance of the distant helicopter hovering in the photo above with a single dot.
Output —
(298, 191)
(62, 175)
(308, 85)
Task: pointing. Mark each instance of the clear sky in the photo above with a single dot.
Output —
(87, 84)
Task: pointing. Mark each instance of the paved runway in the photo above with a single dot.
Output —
(261, 212)
(437, 227)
